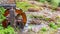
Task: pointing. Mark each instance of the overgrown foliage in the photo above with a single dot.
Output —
(23, 5)
(8, 30)
(53, 25)
(54, 3)
(2, 17)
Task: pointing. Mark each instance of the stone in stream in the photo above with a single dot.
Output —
(58, 31)
(37, 28)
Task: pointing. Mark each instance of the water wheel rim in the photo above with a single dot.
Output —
(20, 12)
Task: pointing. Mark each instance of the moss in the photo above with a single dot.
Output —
(44, 29)
(47, 19)
(52, 25)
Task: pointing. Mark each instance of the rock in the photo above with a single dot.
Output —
(33, 9)
(58, 31)
(57, 9)
(35, 21)
(37, 28)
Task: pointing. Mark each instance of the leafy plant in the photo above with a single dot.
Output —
(55, 3)
(58, 23)
(41, 0)
(44, 29)
(47, 19)
(2, 10)
(23, 5)
(8, 30)
(48, 0)
(52, 25)
(2, 17)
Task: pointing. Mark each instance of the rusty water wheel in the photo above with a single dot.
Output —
(19, 23)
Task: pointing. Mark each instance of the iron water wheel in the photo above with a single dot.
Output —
(19, 23)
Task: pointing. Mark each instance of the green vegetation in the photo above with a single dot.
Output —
(8, 30)
(52, 25)
(44, 29)
(58, 23)
(42, 0)
(55, 3)
(41, 16)
(2, 17)
(47, 19)
(23, 5)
